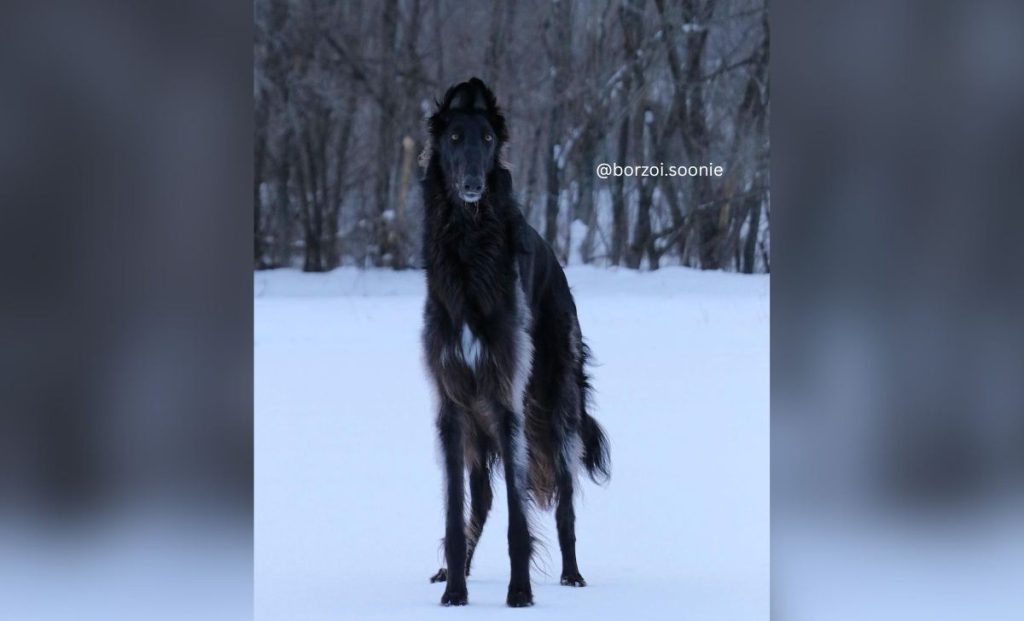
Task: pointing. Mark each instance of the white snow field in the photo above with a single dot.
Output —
(348, 494)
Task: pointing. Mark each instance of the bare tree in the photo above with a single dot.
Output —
(341, 91)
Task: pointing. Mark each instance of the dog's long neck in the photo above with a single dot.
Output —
(470, 231)
(469, 250)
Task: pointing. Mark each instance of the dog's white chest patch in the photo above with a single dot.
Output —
(470, 346)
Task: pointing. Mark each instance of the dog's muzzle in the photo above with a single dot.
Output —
(472, 189)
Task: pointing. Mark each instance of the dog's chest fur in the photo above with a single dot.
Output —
(473, 273)
(483, 344)
(481, 308)
(470, 347)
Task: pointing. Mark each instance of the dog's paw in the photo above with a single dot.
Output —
(519, 598)
(440, 576)
(573, 579)
(454, 597)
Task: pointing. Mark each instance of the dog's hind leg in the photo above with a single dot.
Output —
(481, 498)
(568, 455)
(565, 519)
(450, 425)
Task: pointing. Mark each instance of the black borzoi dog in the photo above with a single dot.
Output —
(503, 346)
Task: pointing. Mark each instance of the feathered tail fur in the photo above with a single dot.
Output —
(596, 456)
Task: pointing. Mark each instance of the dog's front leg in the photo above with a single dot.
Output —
(450, 424)
(520, 542)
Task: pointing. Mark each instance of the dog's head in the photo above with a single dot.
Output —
(467, 132)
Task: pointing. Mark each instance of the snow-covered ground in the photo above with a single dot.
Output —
(348, 514)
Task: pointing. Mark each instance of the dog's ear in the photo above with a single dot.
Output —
(483, 100)
(503, 178)
(497, 120)
(470, 96)
(473, 98)
(437, 121)
(442, 110)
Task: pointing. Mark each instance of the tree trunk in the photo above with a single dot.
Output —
(631, 17)
(313, 258)
(386, 147)
(439, 39)
(283, 226)
(642, 240)
(687, 81)
(260, 152)
(559, 44)
(492, 58)
(620, 228)
(531, 176)
(750, 244)
(336, 196)
(585, 209)
(551, 195)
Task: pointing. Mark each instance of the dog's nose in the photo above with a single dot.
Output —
(473, 185)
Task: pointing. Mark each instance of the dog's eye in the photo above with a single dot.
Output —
(455, 137)
(488, 137)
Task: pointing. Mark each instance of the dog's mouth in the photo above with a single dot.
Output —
(471, 197)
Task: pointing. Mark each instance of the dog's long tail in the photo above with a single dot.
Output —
(595, 450)
(596, 455)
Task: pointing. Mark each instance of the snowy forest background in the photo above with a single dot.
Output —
(342, 89)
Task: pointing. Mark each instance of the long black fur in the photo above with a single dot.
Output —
(503, 345)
